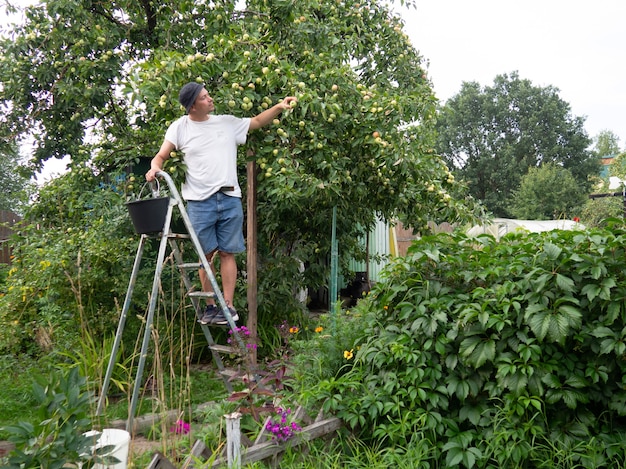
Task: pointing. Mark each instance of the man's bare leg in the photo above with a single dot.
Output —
(204, 278)
(228, 271)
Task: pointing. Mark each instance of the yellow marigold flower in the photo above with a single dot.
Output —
(319, 329)
(293, 330)
(348, 354)
(385, 307)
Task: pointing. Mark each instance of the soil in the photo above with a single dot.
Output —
(140, 445)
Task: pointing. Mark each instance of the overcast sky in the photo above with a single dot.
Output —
(577, 46)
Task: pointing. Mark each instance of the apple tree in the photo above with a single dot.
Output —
(98, 82)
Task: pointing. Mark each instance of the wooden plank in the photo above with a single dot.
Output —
(227, 349)
(198, 451)
(262, 436)
(159, 461)
(201, 294)
(268, 449)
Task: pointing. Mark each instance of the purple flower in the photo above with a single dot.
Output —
(282, 430)
(180, 428)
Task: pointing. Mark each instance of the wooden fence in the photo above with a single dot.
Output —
(7, 220)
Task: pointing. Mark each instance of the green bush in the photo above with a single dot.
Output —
(58, 438)
(72, 253)
(498, 354)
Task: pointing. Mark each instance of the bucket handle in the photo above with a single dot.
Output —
(155, 188)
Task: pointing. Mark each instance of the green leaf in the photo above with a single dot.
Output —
(552, 251)
(576, 381)
(478, 350)
(573, 315)
(454, 456)
(564, 283)
(552, 381)
(602, 331)
(540, 323)
(471, 413)
(591, 290)
(608, 345)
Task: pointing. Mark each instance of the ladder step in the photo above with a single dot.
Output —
(201, 294)
(234, 374)
(225, 349)
(190, 266)
(178, 235)
(227, 372)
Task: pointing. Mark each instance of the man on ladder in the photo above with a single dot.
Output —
(211, 188)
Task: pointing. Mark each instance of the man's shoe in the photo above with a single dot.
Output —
(209, 313)
(220, 320)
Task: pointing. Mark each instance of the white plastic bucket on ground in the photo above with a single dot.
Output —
(120, 440)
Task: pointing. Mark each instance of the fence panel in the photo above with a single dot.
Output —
(6, 218)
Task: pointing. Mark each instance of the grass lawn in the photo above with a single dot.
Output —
(17, 402)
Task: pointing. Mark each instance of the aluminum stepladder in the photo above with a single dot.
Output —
(172, 240)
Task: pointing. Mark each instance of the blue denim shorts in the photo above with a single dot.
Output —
(218, 222)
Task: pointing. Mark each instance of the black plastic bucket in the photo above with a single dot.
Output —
(148, 215)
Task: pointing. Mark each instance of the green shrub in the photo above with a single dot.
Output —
(500, 354)
(58, 438)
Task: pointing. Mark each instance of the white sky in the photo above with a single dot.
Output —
(577, 46)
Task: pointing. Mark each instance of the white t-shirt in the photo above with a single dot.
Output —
(210, 153)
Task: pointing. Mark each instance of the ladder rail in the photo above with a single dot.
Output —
(121, 324)
(149, 321)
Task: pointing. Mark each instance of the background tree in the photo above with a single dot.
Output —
(492, 135)
(547, 192)
(98, 82)
(606, 143)
(597, 212)
(618, 166)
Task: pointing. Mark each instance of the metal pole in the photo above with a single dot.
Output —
(334, 259)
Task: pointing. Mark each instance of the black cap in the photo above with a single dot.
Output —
(189, 93)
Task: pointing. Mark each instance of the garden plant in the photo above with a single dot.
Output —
(488, 353)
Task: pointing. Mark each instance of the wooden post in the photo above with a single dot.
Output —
(233, 440)
(251, 259)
